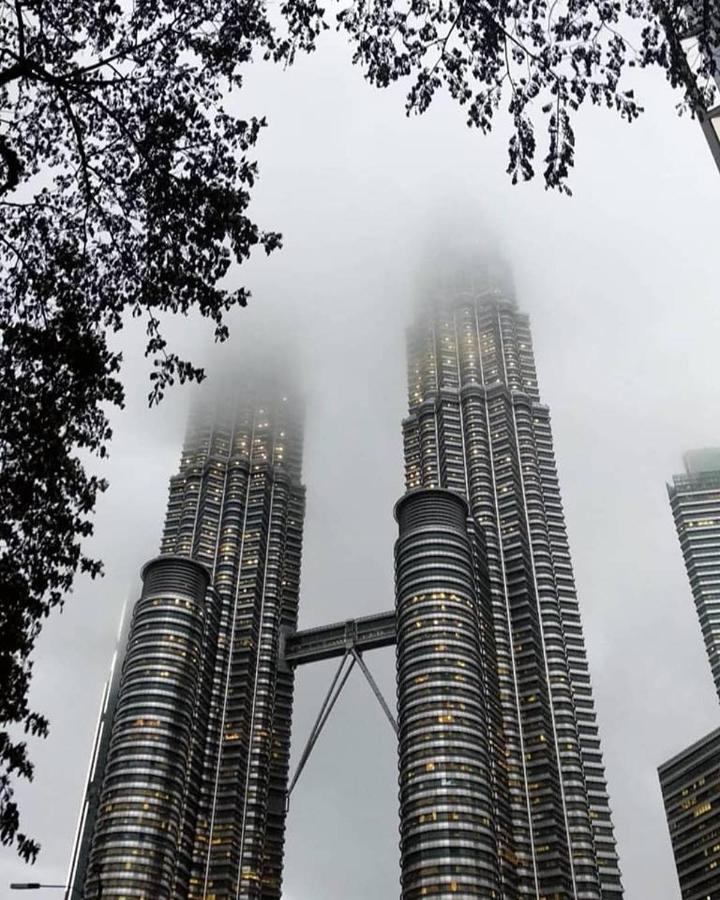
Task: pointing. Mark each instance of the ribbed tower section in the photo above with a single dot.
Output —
(142, 842)
(448, 842)
(237, 505)
(477, 427)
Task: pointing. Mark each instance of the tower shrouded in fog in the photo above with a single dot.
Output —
(237, 505)
(477, 427)
(188, 799)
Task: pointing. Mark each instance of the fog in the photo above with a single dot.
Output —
(621, 282)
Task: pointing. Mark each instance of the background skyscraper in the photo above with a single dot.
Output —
(192, 771)
(690, 781)
(477, 427)
(690, 784)
(695, 503)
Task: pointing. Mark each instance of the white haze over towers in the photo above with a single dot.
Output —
(621, 284)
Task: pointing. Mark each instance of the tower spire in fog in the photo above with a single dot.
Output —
(192, 773)
(477, 427)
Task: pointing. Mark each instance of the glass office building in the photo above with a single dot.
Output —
(690, 781)
(690, 784)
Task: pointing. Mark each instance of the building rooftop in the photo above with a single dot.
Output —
(708, 743)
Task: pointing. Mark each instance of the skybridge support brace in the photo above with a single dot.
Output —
(347, 640)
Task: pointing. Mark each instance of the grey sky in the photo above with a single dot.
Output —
(621, 282)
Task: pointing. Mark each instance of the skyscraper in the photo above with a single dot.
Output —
(690, 785)
(188, 794)
(477, 427)
(695, 503)
(690, 781)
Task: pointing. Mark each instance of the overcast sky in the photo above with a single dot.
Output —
(621, 282)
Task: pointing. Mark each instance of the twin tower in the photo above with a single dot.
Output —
(501, 783)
